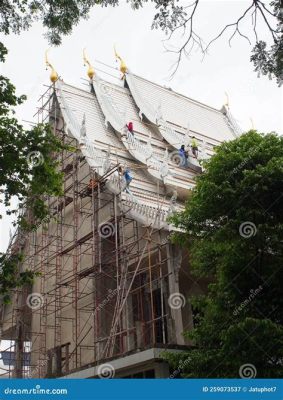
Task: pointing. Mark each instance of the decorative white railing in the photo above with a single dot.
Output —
(177, 139)
(170, 135)
(143, 150)
(144, 153)
(96, 158)
(155, 216)
(116, 184)
(144, 213)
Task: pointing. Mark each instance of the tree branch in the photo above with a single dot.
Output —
(267, 23)
(194, 40)
(236, 24)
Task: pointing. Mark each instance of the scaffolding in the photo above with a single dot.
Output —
(103, 277)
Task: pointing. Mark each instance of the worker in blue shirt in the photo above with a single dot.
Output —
(128, 179)
(184, 156)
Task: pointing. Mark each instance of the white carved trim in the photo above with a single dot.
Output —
(113, 112)
(145, 214)
(144, 107)
(235, 127)
(72, 124)
(170, 135)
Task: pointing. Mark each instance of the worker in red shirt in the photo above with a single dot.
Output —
(130, 127)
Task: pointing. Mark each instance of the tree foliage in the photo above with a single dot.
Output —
(234, 229)
(28, 157)
(171, 16)
(11, 277)
(29, 171)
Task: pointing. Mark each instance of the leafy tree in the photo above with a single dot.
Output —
(27, 157)
(11, 277)
(233, 226)
(171, 16)
(28, 168)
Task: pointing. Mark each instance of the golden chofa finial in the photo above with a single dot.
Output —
(53, 75)
(90, 70)
(123, 66)
(227, 100)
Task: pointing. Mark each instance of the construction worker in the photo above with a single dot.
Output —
(130, 127)
(128, 179)
(184, 156)
(194, 147)
(90, 186)
(88, 190)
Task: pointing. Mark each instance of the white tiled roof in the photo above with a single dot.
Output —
(179, 110)
(81, 102)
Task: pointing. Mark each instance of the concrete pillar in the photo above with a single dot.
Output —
(128, 323)
(174, 255)
(19, 349)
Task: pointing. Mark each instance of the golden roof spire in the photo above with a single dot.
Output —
(90, 70)
(123, 66)
(53, 75)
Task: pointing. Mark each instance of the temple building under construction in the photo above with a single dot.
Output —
(113, 291)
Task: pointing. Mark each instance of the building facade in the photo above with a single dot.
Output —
(113, 291)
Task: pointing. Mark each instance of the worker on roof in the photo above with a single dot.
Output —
(184, 156)
(194, 147)
(130, 127)
(128, 178)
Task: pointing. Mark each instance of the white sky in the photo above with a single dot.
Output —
(225, 69)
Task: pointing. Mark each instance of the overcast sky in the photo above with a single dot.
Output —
(225, 69)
